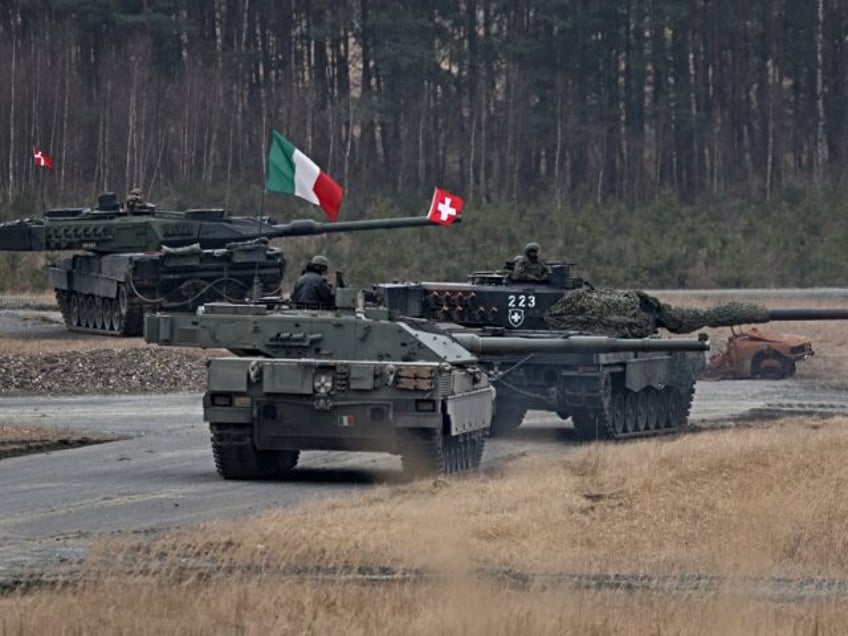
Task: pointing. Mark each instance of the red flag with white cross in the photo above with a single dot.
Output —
(445, 208)
(41, 159)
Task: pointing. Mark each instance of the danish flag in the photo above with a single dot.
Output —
(445, 208)
(41, 159)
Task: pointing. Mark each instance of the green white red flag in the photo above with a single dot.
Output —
(445, 207)
(292, 172)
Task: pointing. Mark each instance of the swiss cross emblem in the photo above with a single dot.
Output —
(445, 208)
(516, 317)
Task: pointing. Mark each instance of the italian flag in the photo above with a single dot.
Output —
(292, 172)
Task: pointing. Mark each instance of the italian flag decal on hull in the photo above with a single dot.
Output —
(292, 172)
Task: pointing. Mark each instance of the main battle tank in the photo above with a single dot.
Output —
(355, 378)
(610, 395)
(147, 259)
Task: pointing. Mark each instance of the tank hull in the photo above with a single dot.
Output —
(606, 395)
(263, 412)
(109, 293)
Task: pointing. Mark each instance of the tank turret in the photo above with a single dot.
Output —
(119, 231)
(143, 259)
(357, 378)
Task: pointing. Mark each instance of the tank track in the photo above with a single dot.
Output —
(236, 457)
(507, 418)
(432, 451)
(97, 314)
(614, 412)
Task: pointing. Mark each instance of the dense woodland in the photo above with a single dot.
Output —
(655, 142)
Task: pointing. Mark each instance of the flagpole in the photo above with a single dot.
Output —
(43, 202)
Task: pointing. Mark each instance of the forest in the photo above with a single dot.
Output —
(680, 143)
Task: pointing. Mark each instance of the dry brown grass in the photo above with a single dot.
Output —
(745, 502)
(462, 607)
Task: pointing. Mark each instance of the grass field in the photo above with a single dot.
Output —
(748, 505)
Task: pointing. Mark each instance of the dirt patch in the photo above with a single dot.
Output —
(28, 439)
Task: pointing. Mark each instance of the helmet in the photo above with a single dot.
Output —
(136, 191)
(531, 247)
(319, 261)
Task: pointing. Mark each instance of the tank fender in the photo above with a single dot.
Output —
(471, 411)
(83, 282)
(228, 375)
(644, 372)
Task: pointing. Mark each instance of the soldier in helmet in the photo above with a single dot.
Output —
(312, 288)
(529, 266)
(134, 200)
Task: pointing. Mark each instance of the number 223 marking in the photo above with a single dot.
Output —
(521, 300)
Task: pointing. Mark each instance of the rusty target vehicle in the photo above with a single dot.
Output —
(755, 353)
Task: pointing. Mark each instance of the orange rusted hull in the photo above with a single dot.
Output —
(755, 353)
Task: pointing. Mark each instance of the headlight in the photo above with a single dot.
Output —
(323, 381)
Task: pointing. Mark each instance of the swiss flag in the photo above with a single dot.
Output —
(445, 208)
(41, 160)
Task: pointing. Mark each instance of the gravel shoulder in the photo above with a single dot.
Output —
(38, 356)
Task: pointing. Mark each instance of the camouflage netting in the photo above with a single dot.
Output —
(630, 313)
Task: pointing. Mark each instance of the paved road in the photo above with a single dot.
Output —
(53, 504)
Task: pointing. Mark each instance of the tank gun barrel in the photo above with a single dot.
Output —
(308, 227)
(808, 314)
(494, 345)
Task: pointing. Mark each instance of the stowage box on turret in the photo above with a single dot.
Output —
(356, 379)
(606, 395)
(145, 259)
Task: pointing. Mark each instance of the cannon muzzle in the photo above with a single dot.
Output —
(494, 345)
(808, 314)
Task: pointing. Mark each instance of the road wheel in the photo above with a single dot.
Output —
(771, 367)
(99, 316)
(641, 410)
(75, 310)
(619, 414)
(676, 414)
(108, 312)
(88, 311)
(630, 412)
(663, 420)
(651, 410)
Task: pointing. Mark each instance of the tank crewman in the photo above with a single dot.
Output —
(134, 200)
(312, 288)
(530, 266)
